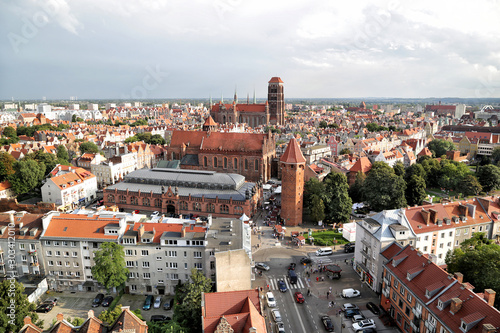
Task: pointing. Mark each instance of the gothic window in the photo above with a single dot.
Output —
(224, 209)
(256, 165)
(211, 208)
(183, 205)
(134, 201)
(123, 199)
(145, 202)
(215, 162)
(235, 163)
(238, 210)
(205, 161)
(246, 164)
(225, 162)
(157, 202)
(197, 206)
(111, 198)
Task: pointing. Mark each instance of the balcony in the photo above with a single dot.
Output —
(417, 313)
(386, 292)
(431, 328)
(387, 282)
(414, 327)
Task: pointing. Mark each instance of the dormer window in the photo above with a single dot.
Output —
(440, 305)
(463, 327)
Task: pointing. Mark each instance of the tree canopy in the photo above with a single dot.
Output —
(489, 177)
(14, 306)
(439, 147)
(9, 131)
(415, 190)
(338, 204)
(109, 269)
(27, 175)
(62, 153)
(383, 188)
(88, 147)
(6, 165)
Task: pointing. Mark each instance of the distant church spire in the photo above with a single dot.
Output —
(221, 98)
(210, 100)
(254, 98)
(235, 95)
(248, 98)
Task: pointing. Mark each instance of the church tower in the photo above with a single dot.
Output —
(292, 165)
(276, 99)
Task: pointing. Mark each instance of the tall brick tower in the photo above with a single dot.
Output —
(292, 164)
(276, 100)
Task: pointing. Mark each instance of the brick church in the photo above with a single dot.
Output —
(247, 154)
(271, 112)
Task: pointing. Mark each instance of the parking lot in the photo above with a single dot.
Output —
(74, 304)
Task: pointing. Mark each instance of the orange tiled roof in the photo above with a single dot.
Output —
(275, 80)
(293, 154)
(80, 226)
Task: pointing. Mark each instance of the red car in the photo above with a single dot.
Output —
(298, 297)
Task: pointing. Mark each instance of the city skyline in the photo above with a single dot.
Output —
(120, 50)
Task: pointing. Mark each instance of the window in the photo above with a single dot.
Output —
(440, 255)
(456, 243)
(408, 297)
(480, 228)
(215, 162)
(160, 281)
(75, 254)
(185, 265)
(458, 232)
(433, 242)
(66, 263)
(198, 265)
(224, 209)
(225, 162)
(441, 245)
(130, 264)
(466, 231)
(145, 264)
(426, 238)
(49, 253)
(235, 163)
(157, 202)
(197, 254)
(160, 269)
(211, 208)
(174, 276)
(256, 164)
(205, 161)
(73, 244)
(133, 287)
(183, 205)
(399, 318)
(451, 234)
(77, 274)
(402, 290)
(144, 252)
(158, 258)
(64, 243)
(129, 252)
(48, 243)
(246, 164)
(145, 202)
(66, 253)
(442, 235)
(425, 248)
(59, 263)
(407, 326)
(407, 311)
(172, 265)
(146, 275)
(56, 243)
(197, 206)
(396, 283)
(51, 263)
(76, 264)
(212, 264)
(21, 246)
(58, 253)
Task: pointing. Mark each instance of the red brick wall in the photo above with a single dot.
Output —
(292, 193)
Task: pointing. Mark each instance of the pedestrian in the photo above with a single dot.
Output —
(327, 294)
(330, 290)
(329, 304)
(322, 279)
(317, 278)
(267, 287)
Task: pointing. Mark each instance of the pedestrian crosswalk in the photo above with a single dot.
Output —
(301, 283)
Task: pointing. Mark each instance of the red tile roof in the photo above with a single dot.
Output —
(293, 154)
(275, 79)
(80, 226)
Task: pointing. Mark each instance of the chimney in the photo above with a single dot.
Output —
(141, 231)
(252, 330)
(434, 215)
(463, 209)
(472, 210)
(27, 320)
(485, 203)
(426, 215)
(460, 277)
(456, 305)
(488, 328)
(90, 314)
(183, 232)
(59, 317)
(489, 296)
(11, 216)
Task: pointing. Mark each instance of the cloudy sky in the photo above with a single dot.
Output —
(182, 48)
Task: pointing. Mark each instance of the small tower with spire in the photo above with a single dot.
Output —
(292, 164)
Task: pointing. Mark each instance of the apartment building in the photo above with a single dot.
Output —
(113, 171)
(422, 297)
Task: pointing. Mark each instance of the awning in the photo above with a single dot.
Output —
(244, 217)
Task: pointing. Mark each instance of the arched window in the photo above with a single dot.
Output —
(246, 164)
(134, 201)
(224, 209)
(197, 206)
(215, 162)
(211, 208)
(205, 161)
(235, 163)
(123, 199)
(183, 205)
(145, 202)
(256, 165)
(111, 198)
(238, 210)
(225, 162)
(157, 202)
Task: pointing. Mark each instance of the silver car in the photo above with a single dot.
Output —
(276, 315)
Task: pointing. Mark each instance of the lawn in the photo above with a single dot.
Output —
(327, 238)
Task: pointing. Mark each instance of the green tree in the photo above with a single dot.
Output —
(88, 147)
(439, 147)
(317, 209)
(170, 327)
(345, 151)
(189, 312)
(495, 155)
(323, 124)
(415, 190)
(9, 132)
(49, 160)
(469, 185)
(415, 169)
(432, 171)
(77, 321)
(131, 139)
(14, 306)
(338, 204)
(489, 177)
(313, 187)
(6, 165)
(110, 315)
(383, 188)
(399, 169)
(73, 118)
(479, 264)
(356, 190)
(157, 139)
(28, 174)
(372, 127)
(62, 153)
(109, 268)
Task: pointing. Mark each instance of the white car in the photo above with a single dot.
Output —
(279, 328)
(271, 301)
(157, 303)
(155, 214)
(348, 293)
(261, 265)
(357, 318)
(276, 315)
(364, 324)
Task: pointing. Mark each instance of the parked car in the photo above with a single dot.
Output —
(107, 301)
(159, 318)
(327, 322)
(51, 300)
(157, 303)
(261, 265)
(279, 327)
(282, 286)
(349, 306)
(352, 313)
(292, 266)
(368, 330)
(299, 298)
(276, 315)
(45, 307)
(155, 213)
(148, 302)
(357, 318)
(324, 251)
(348, 249)
(169, 304)
(305, 260)
(97, 300)
(271, 301)
(364, 324)
(137, 211)
(373, 308)
(349, 293)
